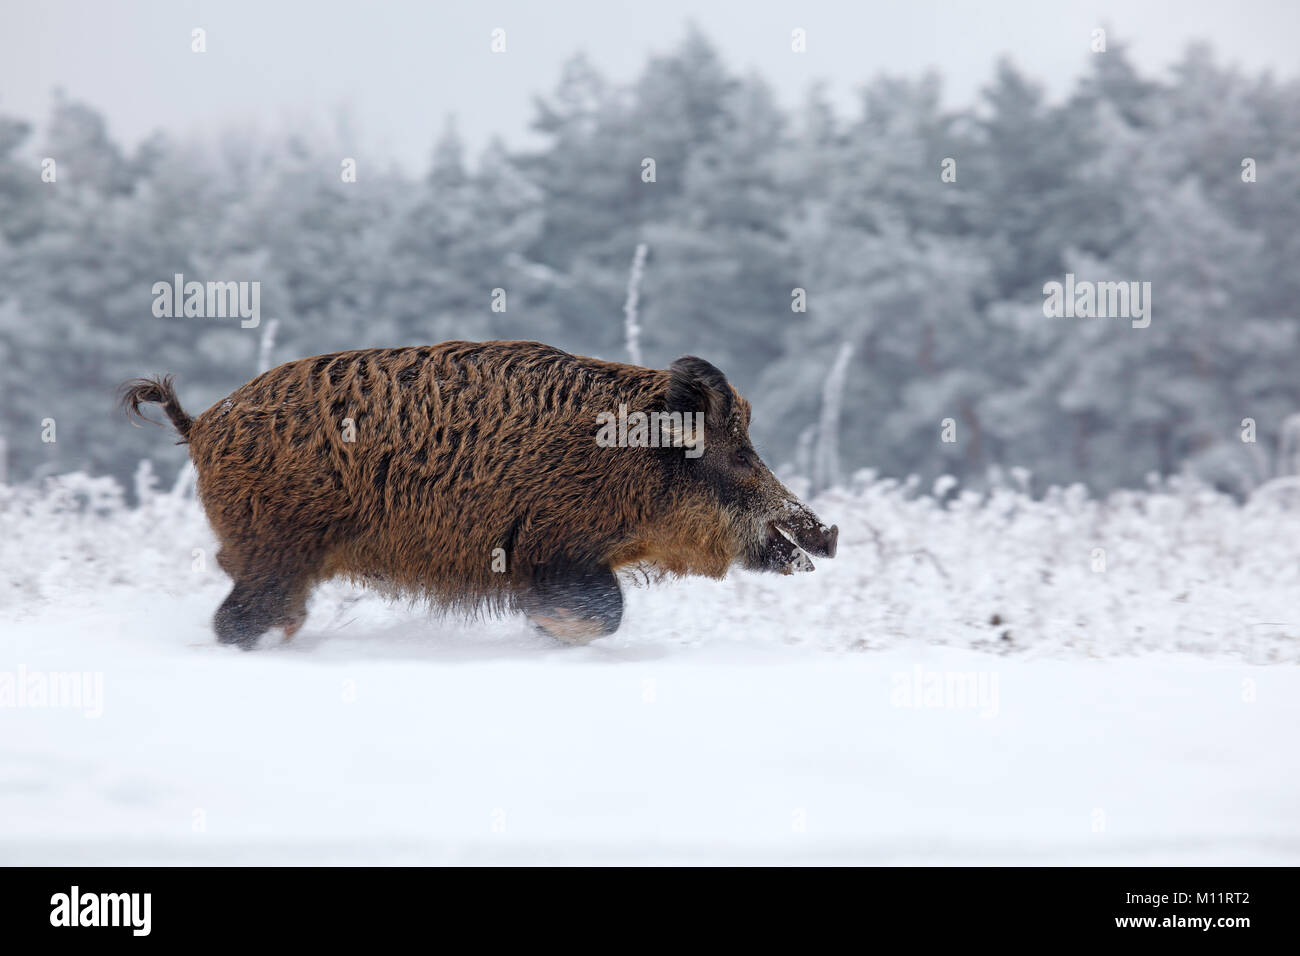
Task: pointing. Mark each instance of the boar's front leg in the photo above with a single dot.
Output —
(575, 605)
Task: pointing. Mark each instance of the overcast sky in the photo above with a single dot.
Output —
(401, 66)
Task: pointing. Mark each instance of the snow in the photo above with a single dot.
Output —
(866, 713)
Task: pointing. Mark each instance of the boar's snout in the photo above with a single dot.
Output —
(793, 536)
(807, 530)
(823, 541)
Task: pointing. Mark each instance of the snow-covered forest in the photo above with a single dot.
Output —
(934, 280)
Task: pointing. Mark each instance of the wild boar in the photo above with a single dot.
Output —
(474, 474)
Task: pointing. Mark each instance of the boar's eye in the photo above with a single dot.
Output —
(740, 458)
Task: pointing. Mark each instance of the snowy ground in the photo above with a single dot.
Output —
(871, 712)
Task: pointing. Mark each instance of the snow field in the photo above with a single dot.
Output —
(869, 712)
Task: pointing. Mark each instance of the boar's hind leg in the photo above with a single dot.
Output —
(575, 606)
(271, 591)
(252, 609)
(245, 614)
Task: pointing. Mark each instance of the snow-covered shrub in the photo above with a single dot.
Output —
(74, 534)
(1177, 567)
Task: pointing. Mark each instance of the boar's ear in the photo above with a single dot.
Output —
(695, 385)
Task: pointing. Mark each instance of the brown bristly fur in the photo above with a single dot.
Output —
(460, 448)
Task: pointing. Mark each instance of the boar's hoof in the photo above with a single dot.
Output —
(234, 628)
(293, 624)
(244, 616)
(569, 628)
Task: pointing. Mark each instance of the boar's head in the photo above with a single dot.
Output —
(771, 528)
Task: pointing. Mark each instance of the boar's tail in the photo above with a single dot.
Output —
(158, 391)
